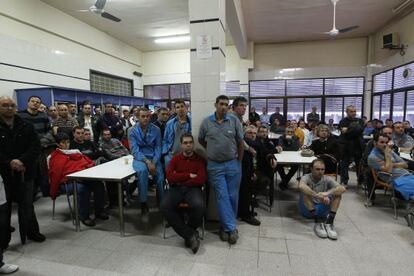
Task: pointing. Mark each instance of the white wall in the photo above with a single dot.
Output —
(39, 37)
(392, 58)
(340, 57)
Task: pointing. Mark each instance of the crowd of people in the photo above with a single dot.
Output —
(40, 146)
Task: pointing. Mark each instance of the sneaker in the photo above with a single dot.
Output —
(233, 237)
(320, 230)
(330, 231)
(36, 237)
(193, 243)
(8, 269)
(144, 214)
(224, 236)
(88, 222)
(251, 220)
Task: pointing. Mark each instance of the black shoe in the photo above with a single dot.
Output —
(233, 237)
(254, 203)
(102, 216)
(36, 237)
(88, 222)
(251, 220)
(224, 236)
(144, 213)
(193, 243)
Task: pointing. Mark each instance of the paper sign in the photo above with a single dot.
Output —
(204, 50)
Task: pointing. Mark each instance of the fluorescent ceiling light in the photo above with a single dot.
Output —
(403, 5)
(172, 39)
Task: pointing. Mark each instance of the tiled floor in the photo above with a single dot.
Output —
(370, 242)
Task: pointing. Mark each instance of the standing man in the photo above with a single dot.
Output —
(64, 123)
(88, 121)
(313, 117)
(111, 121)
(145, 143)
(222, 136)
(162, 119)
(72, 110)
(175, 128)
(264, 118)
(253, 116)
(279, 116)
(19, 146)
(98, 112)
(52, 113)
(319, 199)
(351, 138)
(186, 175)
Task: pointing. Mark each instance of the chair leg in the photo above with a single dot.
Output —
(370, 195)
(203, 228)
(394, 201)
(53, 209)
(164, 228)
(70, 205)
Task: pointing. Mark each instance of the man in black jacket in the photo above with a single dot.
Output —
(87, 120)
(351, 139)
(288, 142)
(19, 147)
(111, 122)
(87, 148)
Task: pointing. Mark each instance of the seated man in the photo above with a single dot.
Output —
(112, 148)
(145, 143)
(87, 148)
(63, 162)
(288, 142)
(327, 145)
(401, 139)
(319, 199)
(383, 159)
(186, 174)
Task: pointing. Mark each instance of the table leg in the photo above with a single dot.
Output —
(121, 210)
(75, 205)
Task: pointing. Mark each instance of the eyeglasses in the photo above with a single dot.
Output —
(8, 105)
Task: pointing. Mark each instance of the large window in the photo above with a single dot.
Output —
(393, 94)
(167, 93)
(110, 84)
(296, 97)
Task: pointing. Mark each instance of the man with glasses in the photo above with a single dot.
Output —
(145, 143)
(19, 147)
(112, 122)
(222, 136)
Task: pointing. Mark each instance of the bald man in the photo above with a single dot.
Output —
(64, 123)
(19, 146)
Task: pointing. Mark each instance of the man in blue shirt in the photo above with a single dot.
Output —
(222, 136)
(145, 143)
(175, 128)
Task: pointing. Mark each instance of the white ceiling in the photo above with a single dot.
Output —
(266, 21)
(271, 21)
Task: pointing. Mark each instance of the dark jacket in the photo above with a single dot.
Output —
(278, 116)
(352, 140)
(330, 146)
(289, 145)
(161, 126)
(94, 123)
(87, 148)
(113, 123)
(21, 143)
(266, 151)
(254, 117)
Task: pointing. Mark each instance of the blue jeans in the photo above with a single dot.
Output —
(84, 196)
(321, 210)
(142, 174)
(225, 179)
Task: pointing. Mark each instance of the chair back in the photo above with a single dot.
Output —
(378, 182)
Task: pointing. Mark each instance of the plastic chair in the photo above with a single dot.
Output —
(331, 165)
(386, 186)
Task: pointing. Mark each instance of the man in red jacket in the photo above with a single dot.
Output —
(186, 174)
(63, 162)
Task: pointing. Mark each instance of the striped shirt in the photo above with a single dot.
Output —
(40, 121)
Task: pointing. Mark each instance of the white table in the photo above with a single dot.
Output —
(406, 156)
(116, 170)
(368, 137)
(293, 157)
(274, 135)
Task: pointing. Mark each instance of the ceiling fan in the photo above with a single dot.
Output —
(98, 8)
(334, 32)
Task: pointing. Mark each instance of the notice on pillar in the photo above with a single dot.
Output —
(204, 48)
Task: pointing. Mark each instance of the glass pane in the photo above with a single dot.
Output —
(398, 107)
(157, 92)
(356, 102)
(409, 116)
(273, 88)
(232, 88)
(311, 102)
(272, 104)
(376, 107)
(309, 87)
(385, 107)
(295, 109)
(258, 104)
(333, 109)
(399, 80)
(344, 86)
(180, 91)
(383, 81)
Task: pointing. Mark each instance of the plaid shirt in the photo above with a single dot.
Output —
(113, 149)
